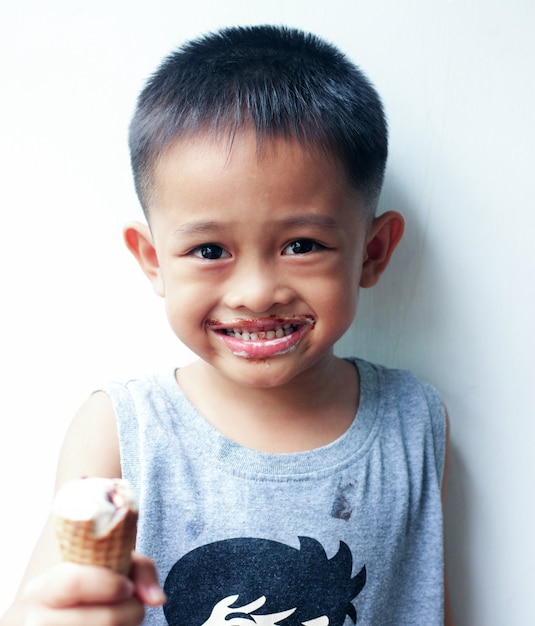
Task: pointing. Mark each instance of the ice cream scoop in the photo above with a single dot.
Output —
(96, 522)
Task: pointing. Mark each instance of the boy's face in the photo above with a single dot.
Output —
(259, 257)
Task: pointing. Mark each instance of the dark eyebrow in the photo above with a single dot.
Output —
(199, 228)
(311, 219)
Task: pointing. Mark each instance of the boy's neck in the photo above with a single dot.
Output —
(311, 412)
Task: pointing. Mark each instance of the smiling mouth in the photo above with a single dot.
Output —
(263, 338)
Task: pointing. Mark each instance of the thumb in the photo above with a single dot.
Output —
(145, 579)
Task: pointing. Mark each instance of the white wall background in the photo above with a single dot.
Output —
(457, 78)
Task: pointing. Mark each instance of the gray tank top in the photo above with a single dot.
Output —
(347, 533)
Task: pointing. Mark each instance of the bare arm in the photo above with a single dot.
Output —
(448, 614)
(62, 593)
(90, 448)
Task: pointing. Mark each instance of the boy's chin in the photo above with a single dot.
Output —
(267, 373)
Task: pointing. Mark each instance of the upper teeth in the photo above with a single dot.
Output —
(274, 333)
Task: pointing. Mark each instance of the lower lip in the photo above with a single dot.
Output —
(263, 348)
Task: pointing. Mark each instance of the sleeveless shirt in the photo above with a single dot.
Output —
(347, 533)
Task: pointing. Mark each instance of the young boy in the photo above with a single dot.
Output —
(277, 483)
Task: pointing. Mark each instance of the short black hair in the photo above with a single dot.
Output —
(280, 82)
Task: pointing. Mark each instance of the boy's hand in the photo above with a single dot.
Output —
(84, 595)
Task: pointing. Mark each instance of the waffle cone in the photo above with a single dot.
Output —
(79, 544)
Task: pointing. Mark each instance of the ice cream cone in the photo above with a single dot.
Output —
(100, 530)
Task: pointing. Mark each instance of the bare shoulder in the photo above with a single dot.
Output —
(90, 448)
(91, 444)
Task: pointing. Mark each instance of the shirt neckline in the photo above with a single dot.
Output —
(211, 445)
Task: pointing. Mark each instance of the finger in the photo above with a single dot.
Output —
(69, 585)
(145, 578)
(129, 613)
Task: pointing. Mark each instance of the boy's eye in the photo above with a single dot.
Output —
(210, 251)
(302, 246)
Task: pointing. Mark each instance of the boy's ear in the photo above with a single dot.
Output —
(384, 235)
(138, 239)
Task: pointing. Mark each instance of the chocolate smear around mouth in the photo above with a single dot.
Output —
(260, 327)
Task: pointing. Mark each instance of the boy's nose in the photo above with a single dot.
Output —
(257, 288)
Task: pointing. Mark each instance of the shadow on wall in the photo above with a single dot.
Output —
(458, 537)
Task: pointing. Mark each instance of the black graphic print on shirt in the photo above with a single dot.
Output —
(248, 581)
